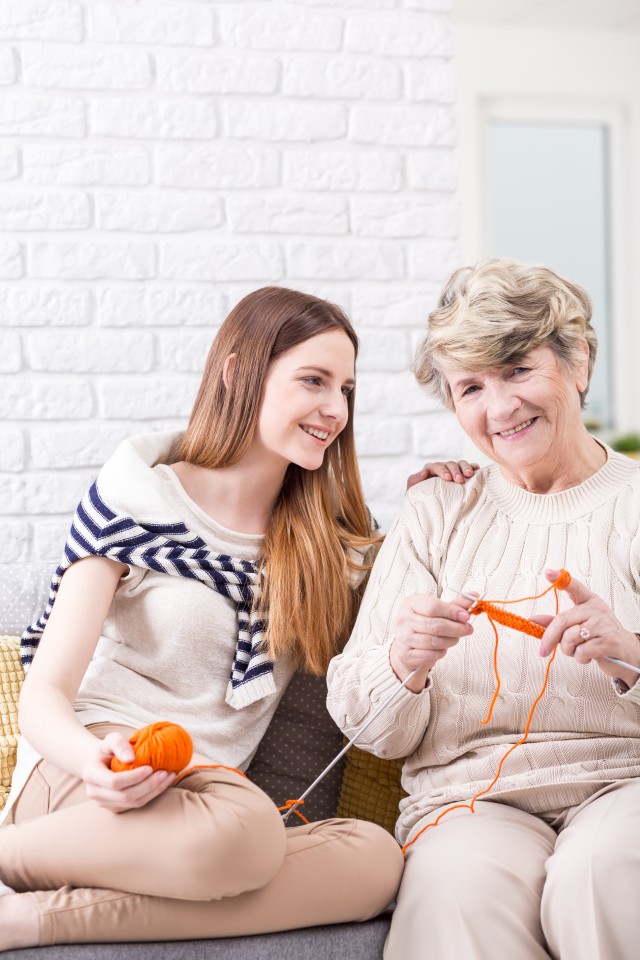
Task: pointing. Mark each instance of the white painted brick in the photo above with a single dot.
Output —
(85, 68)
(35, 210)
(90, 351)
(400, 34)
(10, 260)
(101, 165)
(184, 350)
(161, 305)
(185, 306)
(438, 436)
(157, 212)
(221, 261)
(221, 168)
(385, 480)
(50, 538)
(62, 448)
(9, 162)
(435, 169)
(394, 393)
(286, 29)
(147, 397)
(14, 542)
(43, 492)
(41, 20)
(369, 4)
(390, 436)
(285, 121)
(32, 116)
(434, 259)
(182, 24)
(355, 78)
(394, 306)
(12, 453)
(382, 350)
(92, 260)
(42, 306)
(10, 352)
(342, 170)
(38, 399)
(431, 80)
(322, 214)
(438, 6)
(404, 217)
(345, 261)
(403, 125)
(215, 72)
(7, 66)
(159, 119)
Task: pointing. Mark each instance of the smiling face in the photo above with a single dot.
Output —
(525, 416)
(304, 401)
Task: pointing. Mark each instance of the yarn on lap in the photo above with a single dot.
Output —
(162, 745)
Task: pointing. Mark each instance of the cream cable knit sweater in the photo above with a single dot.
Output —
(496, 538)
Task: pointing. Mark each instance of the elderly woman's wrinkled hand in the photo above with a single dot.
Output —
(456, 471)
(590, 631)
(427, 628)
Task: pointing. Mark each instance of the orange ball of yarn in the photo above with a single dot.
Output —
(163, 746)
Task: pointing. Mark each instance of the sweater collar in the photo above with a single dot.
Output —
(546, 508)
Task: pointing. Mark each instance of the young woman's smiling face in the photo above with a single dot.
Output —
(304, 401)
(525, 416)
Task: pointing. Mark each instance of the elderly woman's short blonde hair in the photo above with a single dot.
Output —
(494, 313)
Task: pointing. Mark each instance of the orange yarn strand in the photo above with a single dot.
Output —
(164, 746)
(532, 629)
(295, 804)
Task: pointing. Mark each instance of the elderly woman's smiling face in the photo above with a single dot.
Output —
(525, 416)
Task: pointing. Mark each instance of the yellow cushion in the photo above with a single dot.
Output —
(371, 789)
(11, 677)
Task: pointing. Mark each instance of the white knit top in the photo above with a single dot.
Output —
(496, 538)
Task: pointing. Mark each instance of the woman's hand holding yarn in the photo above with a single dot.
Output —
(426, 629)
(121, 791)
(589, 631)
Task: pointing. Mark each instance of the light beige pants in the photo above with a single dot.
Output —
(208, 858)
(501, 883)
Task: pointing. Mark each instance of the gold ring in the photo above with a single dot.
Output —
(585, 633)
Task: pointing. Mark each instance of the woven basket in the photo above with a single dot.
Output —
(11, 677)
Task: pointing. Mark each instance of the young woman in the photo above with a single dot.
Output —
(200, 571)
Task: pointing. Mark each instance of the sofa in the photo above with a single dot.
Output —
(299, 743)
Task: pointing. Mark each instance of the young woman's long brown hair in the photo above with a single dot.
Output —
(320, 518)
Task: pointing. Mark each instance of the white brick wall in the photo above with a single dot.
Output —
(158, 160)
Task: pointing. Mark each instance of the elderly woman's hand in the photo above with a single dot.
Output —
(458, 471)
(590, 631)
(427, 628)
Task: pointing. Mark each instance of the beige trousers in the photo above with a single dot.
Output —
(501, 883)
(208, 858)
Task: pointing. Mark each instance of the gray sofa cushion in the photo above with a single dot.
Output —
(344, 941)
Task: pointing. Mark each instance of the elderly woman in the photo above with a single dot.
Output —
(548, 864)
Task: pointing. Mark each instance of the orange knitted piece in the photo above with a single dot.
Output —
(162, 745)
(526, 626)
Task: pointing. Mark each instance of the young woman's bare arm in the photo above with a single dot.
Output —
(47, 718)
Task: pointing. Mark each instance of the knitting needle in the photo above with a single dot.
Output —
(381, 708)
(620, 663)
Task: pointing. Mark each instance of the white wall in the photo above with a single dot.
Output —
(159, 160)
(561, 72)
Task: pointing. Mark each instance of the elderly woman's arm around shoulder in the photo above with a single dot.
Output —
(403, 628)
